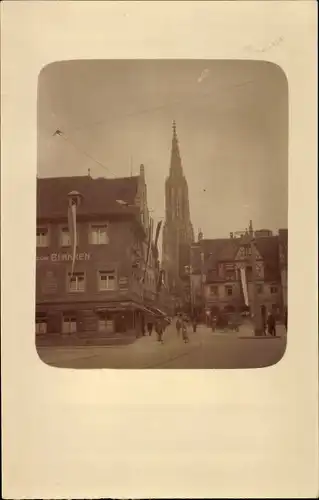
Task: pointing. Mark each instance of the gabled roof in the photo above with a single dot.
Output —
(225, 250)
(98, 196)
(229, 250)
(212, 250)
(268, 248)
(283, 238)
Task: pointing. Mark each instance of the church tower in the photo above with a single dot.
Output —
(178, 234)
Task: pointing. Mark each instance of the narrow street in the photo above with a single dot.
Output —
(218, 350)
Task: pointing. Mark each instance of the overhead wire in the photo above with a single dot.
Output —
(151, 109)
(127, 115)
(60, 133)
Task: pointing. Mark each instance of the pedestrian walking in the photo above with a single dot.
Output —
(271, 323)
(286, 318)
(150, 328)
(214, 323)
(159, 331)
(194, 325)
(184, 332)
(178, 326)
(264, 319)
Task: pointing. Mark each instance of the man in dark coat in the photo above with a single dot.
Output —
(271, 322)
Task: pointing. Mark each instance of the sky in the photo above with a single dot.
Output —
(232, 126)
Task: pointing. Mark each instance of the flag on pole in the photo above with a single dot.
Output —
(150, 237)
(160, 281)
(244, 285)
(72, 230)
(158, 228)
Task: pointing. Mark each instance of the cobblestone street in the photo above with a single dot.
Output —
(204, 350)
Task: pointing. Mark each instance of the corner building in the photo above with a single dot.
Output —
(107, 299)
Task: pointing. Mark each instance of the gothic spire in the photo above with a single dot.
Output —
(176, 162)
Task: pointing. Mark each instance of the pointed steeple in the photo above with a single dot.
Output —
(176, 162)
(251, 231)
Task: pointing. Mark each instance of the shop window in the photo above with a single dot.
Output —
(102, 324)
(69, 324)
(41, 325)
(76, 282)
(105, 324)
(107, 280)
(98, 234)
(42, 237)
(65, 238)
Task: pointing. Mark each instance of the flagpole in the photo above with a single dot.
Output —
(258, 330)
(74, 200)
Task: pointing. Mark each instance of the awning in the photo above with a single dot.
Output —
(157, 311)
(121, 307)
(114, 306)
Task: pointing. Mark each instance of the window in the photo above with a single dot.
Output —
(102, 324)
(260, 289)
(76, 283)
(40, 325)
(69, 324)
(105, 324)
(229, 291)
(230, 274)
(214, 290)
(106, 280)
(65, 237)
(273, 289)
(42, 237)
(99, 234)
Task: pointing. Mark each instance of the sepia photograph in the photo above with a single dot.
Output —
(159, 194)
(162, 214)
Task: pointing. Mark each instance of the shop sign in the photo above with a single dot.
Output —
(63, 257)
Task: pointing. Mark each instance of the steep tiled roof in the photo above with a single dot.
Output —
(224, 250)
(283, 242)
(283, 234)
(229, 250)
(99, 195)
(212, 250)
(268, 248)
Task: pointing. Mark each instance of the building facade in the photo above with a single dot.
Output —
(112, 291)
(178, 232)
(217, 279)
(283, 259)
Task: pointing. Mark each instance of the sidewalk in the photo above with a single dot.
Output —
(246, 332)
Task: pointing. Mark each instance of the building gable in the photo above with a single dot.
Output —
(244, 253)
